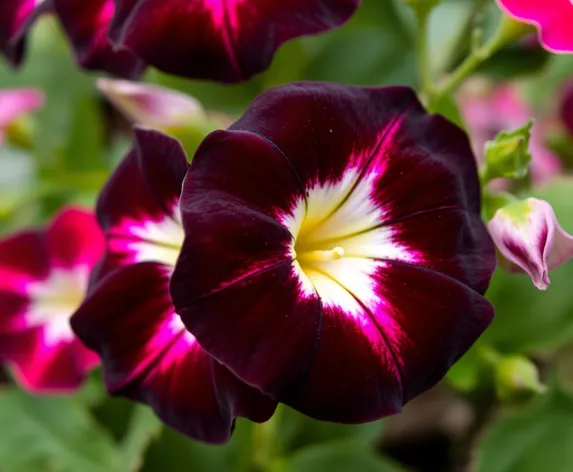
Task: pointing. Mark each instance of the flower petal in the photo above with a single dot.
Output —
(143, 223)
(41, 365)
(75, 239)
(364, 362)
(148, 356)
(86, 24)
(16, 16)
(361, 128)
(552, 18)
(228, 41)
(23, 259)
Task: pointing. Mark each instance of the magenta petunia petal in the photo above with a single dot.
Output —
(75, 239)
(363, 128)
(13, 306)
(449, 241)
(16, 16)
(148, 355)
(142, 223)
(43, 364)
(392, 353)
(224, 40)
(253, 342)
(553, 18)
(23, 259)
(374, 233)
(86, 24)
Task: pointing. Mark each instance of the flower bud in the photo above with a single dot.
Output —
(150, 105)
(530, 239)
(517, 379)
(508, 154)
(163, 109)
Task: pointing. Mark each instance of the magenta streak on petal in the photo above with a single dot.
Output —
(223, 14)
(378, 328)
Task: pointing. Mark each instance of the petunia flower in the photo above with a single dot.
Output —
(488, 110)
(85, 24)
(552, 18)
(128, 318)
(334, 254)
(530, 239)
(43, 278)
(15, 103)
(227, 41)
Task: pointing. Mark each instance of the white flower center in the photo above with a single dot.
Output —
(340, 241)
(55, 299)
(158, 241)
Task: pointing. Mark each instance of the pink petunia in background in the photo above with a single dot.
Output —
(44, 275)
(18, 102)
(552, 18)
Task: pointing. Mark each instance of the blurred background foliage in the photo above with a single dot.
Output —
(65, 152)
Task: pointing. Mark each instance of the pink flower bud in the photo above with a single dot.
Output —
(152, 106)
(530, 239)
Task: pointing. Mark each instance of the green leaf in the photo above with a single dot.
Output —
(535, 439)
(143, 428)
(448, 108)
(176, 453)
(297, 430)
(337, 457)
(51, 434)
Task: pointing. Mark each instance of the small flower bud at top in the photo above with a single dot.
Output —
(508, 154)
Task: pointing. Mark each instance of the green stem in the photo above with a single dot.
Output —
(265, 445)
(423, 16)
(490, 355)
(504, 33)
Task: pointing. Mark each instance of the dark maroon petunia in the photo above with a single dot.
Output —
(85, 24)
(44, 275)
(224, 40)
(334, 254)
(129, 319)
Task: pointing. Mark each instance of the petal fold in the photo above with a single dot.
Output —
(143, 223)
(86, 24)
